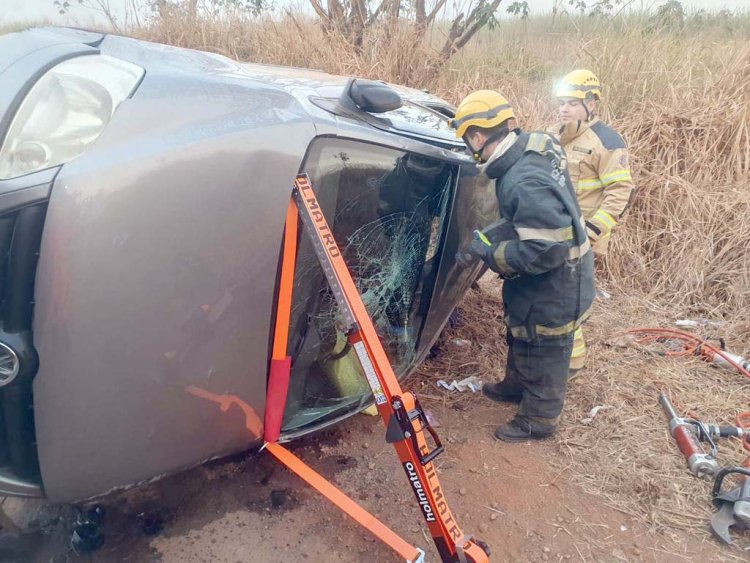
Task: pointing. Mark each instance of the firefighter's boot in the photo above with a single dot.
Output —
(521, 429)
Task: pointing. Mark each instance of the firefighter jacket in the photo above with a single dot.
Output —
(548, 264)
(599, 168)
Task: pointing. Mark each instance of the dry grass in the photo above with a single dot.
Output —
(681, 100)
(625, 454)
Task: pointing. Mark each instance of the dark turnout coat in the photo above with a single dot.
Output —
(548, 265)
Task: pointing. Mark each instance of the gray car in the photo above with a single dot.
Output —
(143, 194)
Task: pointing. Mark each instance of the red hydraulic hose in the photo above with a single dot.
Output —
(697, 345)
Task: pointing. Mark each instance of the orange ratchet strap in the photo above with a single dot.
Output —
(410, 553)
(281, 334)
(281, 363)
(407, 427)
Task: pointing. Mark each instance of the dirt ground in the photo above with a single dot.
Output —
(527, 501)
(518, 498)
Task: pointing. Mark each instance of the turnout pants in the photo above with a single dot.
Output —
(578, 356)
(538, 369)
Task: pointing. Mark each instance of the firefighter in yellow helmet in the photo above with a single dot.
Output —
(599, 167)
(540, 248)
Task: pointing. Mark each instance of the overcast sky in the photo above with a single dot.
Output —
(25, 10)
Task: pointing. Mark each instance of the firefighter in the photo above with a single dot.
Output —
(598, 164)
(544, 257)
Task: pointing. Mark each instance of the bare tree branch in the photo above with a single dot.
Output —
(439, 6)
(478, 18)
(420, 13)
(192, 9)
(356, 22)
(376, 14)
(351, 20)
(318, 7)
(162, 8)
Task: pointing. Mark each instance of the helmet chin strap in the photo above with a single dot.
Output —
(477, 153)
(589, 114)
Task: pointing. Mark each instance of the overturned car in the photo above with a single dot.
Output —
(143, 194)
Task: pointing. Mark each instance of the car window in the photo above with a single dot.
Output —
(415, 118)
(474, 206)
(387, 209)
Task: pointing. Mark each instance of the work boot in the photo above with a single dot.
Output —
(521, 429)
(502, 393)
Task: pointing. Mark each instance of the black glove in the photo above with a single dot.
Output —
(469, 255)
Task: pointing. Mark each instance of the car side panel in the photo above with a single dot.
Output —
(155, 285)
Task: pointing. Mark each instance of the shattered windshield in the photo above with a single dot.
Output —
(387, 209)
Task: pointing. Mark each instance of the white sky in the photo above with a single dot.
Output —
(26, 10)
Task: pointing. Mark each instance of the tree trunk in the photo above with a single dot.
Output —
(192, 9)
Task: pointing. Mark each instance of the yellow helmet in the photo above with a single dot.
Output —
(581, 84)
(484, 109)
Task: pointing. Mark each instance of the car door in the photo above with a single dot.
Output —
(390, 211)
(474, 207)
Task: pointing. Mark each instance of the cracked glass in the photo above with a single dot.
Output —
(388, 211)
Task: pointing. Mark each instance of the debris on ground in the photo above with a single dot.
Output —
(471, 383)
(87, 534)
(593, 412)
(698, 323)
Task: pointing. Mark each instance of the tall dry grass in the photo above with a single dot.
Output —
(682, 100)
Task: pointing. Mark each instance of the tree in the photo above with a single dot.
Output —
(671, 14)
(102, 6)
(520, 9)
(596, 7)
(352, 18)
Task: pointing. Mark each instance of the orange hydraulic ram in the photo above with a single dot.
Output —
(406, 424)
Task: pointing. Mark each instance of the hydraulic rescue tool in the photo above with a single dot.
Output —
(686, 344)
(685, 433)
(496, 232)
(734, 505)
(407, 426)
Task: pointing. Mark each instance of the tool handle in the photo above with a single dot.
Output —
(730, 432)
(667, 406)
(712, 431)
(687, 441)
(500, 231)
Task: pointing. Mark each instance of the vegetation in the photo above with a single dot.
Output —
(677, 87)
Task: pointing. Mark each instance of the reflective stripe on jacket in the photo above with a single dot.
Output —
(600, 171)
(550, 262)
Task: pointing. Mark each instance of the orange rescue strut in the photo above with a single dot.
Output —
(407, 427)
